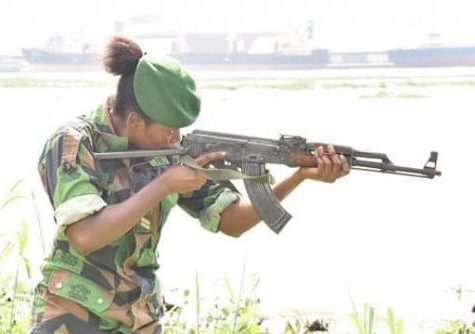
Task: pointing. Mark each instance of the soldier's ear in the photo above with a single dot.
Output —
(135, 122)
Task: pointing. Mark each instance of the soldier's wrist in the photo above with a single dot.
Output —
(299, 175)
(163, 185)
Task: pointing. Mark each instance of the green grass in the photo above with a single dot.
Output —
(34, 82)
(336, 83)
(392, 95)
(456, 327)
(284, 84)
(15, 295)
(230, 83)
(237, 313)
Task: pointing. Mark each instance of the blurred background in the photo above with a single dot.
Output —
(245, 32)
(396, 77)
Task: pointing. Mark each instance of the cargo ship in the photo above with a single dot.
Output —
(247, 50)
(61, 51)
(433, 56)
(48, 57)
(315, 59)
(258, 50)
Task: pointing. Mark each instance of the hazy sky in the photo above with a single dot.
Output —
(339, 24)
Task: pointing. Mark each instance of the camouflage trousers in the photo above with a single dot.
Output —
(55, 315)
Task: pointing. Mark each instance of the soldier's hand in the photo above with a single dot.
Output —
(184, 180)
(330, 166)
(205, 159)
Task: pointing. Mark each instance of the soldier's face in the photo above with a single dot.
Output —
(151, 136)
(157, 136)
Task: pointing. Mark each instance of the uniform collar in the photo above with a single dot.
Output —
(107, 140)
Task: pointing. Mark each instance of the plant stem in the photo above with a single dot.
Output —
(38, 220)
(14, 295)
(197, 303)
(241, 288)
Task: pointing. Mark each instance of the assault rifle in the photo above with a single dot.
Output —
(246, 158)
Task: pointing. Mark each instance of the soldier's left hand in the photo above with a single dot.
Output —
(330, 166)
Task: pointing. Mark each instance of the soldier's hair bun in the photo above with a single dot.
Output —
(121, 56)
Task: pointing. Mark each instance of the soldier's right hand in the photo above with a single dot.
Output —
(185, 180)
(182, 179)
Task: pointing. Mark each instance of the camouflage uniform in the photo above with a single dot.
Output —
(114, 289)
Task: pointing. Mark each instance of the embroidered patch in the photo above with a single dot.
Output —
(79, 292)
(67, 260)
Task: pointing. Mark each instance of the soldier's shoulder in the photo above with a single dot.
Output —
(78, 130)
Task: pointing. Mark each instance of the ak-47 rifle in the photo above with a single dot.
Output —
(246, 158)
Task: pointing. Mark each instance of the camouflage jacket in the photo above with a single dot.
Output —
(117, 282)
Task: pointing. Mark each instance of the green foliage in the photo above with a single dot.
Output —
(19, 240)
(15, 297)
(198, 303)
(6, 250)
(364, 322)
(396, 326)
(14, 194)
(457, 327)
(298, 326)
(237, 314)
(18, 321)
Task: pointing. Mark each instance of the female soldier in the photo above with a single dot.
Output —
(100, 275)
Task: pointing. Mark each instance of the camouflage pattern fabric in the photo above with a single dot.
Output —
(114, 289)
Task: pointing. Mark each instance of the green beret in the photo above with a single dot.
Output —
(166, 92)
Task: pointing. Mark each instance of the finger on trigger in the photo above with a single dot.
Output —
(206, 159)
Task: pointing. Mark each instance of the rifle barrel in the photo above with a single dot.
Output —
(394, 169)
